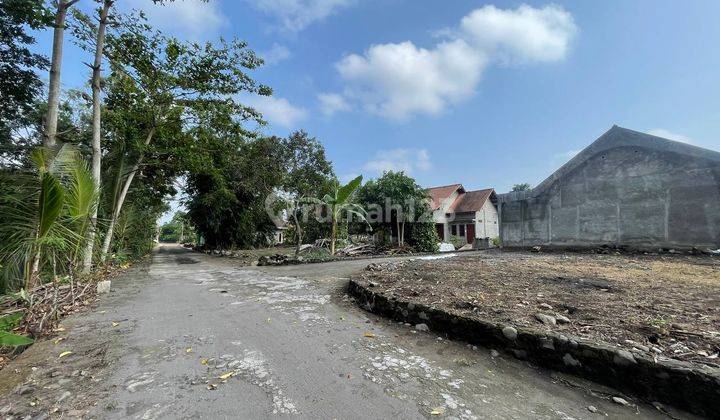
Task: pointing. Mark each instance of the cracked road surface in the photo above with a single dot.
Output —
(194, 336)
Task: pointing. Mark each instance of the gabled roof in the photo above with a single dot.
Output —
(471, 201)
(439, 194)
(620, 137)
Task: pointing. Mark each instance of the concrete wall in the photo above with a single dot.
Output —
(619, 193)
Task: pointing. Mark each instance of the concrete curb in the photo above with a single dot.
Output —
(691, 387)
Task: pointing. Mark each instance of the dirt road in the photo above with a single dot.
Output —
(193, 336)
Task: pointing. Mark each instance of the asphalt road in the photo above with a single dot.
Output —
(193, 336)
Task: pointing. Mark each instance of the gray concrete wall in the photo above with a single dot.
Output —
(621, 194)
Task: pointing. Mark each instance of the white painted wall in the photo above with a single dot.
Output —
(487, 221)
(439, 214)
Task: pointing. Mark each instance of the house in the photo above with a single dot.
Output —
(626, 189)
(468, 215)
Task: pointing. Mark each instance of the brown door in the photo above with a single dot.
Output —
(440, 228)
(470, 233)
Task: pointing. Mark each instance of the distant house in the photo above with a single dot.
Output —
(464, 214)
(625, 189)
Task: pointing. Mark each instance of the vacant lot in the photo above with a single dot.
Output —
(656, 304)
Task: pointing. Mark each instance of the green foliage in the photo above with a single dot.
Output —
(7, 338)
(20, 84)
(339, 203)
(496, 241)
(44, 213)
(423, 237)
(521, 187)
(457, 241)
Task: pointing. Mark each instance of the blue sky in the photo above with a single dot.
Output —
(487, 94)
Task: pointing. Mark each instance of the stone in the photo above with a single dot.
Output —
(510, 333)
(64, 396)
(494, 353)
(621, 401)
(592, 409)
(422, 327)
(103, 287)
(546, 319)
(520, 354)
(569, 360)
(545, 306)
(25, 390)
(623, 358)
(547, 343)
(562, 319)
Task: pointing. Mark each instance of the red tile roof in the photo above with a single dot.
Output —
(440, 194)
(471, 201)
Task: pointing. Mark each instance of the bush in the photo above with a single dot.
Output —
(457, 241)
(423, 237)
(496, 241)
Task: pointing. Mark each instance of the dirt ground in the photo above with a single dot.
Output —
(658, 304)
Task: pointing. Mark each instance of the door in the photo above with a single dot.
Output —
(470, 232)
(440, 228)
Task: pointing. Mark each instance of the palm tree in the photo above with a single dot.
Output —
(339, 203)
(45, 215)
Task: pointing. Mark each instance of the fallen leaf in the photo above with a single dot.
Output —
(268, 320)
(437, 411)
(60, 328)
(189, 350)
(204, 361)
(63, 354)
(369, 335)
(115, 324)
(58, 340)
(227, 375)
(211, 386)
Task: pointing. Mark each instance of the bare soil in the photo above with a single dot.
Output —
(657, 304)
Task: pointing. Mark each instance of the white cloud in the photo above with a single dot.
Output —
(397, 80)
(277, 110)
(666, 134)
(275, 54)
(525, 34)
(295, 15)
(330, 103)
(190, 19)
(407, 160)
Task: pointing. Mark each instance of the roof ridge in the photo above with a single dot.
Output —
(444, 186)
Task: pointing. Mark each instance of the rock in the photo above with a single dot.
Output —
(546, 319)
(64, 396)
(509, 332)
(592, 409)
(103, 286)
(562, 319)
(570, 361)
(621, 401)
(494, 353)
(623, 358)
(536, 249)
(466, 247)
(446, 247)
(422, 327)
(25, 390)
(545, 306)
(520, 354)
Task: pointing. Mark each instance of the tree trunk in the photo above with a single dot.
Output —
(96, 151)
(333, 234)
(121, 200)
(55, 65)
(397, 225)
(298, 232)
(402, 233)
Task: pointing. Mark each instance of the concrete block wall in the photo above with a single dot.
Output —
(622, 195)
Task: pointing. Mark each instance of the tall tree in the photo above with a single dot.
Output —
(61, 7)
(309, 174)
(99, 33)
(19, 83)
(174, 79)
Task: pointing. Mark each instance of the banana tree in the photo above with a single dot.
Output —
(338, 203)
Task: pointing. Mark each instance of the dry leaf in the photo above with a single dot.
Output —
(58, 340)
(60, 328)
(369, 335)
(115, 324)
(189, 350)
(65, 353)
(227, 375)
(204, 361)
(211, 386)
(437, 411)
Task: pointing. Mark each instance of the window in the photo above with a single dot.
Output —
(453, 230)
(462, 230)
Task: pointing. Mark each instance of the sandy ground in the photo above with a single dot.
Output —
(195, 336)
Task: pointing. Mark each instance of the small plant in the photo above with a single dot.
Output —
(9, 339)
(496, 241)
(457, 241)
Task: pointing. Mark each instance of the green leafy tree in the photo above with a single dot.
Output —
(20, 85)
(397, 199)
(309, 174)
(167, 80)
(521, 187)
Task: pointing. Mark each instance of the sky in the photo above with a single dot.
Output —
(486, 94)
